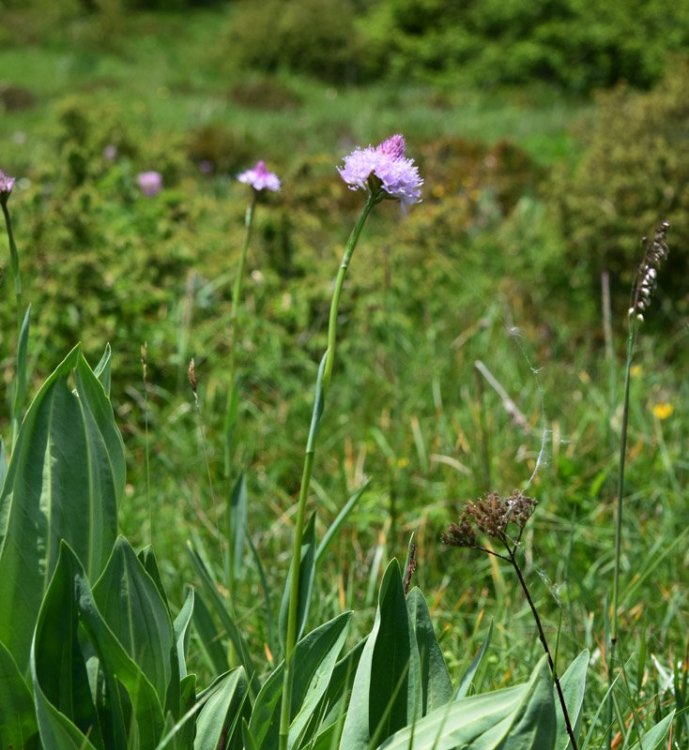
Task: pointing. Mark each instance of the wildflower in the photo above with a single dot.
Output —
(150, 183)
(663, 410)
(260, 178)
(655, 254)
(6, 185)
(384, 169)
(110, 152)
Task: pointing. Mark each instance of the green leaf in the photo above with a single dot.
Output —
(655, 737)
(102, 370)
(222, 610)
(384, 694)
(573, 684)
(131, 605)
(118, 668)
(340, 519)
(64, 481)
(518, 718)
(209, 639)
(22, 368)
(18, 726)
(315, 659)
(307, 570)
(64, 703)
(436, 687)
(181, 629)
(222, 710)
(469, 675)
(236, 523)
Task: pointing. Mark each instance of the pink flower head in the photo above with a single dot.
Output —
(6, 185)
(150, 183)
(260, 178)
(394, 174)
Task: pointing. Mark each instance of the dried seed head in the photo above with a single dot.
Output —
(655, 254)
(191, 375)
(490, 516)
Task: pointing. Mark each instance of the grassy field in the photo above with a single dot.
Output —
(431, 295)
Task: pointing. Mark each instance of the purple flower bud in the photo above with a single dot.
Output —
(6, 185)
(260, 178)
(398, 176)
(150, 183)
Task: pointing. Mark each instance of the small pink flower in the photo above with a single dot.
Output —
(260, 178)
(6, 185)
(150, 183)
(396, 175)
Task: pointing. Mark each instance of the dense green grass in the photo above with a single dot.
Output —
(407, 407)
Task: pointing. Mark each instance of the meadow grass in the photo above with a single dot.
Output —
(406, 407)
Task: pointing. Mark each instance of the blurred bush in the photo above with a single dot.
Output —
(575, 44)
(317, 37)
(633, 174)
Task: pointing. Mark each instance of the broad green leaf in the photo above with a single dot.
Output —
(18, 726)
(148, 559)
(654, 739)
(469, 675)
(315, 659)
(436, 687)
(58, 668)
(64, 481)
(333, 706)
(222, 710)
(147, 713)
(179, 735)
(307, 570)
(384, 694)
(130, 603)
(573, 684)
(518, 718)
(533, 724)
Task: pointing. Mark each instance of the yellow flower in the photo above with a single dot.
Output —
(636, 370)
(663, 410)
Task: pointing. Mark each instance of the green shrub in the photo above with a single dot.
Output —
(317, 37)
(571, 43)
(634, 173)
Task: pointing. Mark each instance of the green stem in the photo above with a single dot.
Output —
(235, 336)
(14, 262)
(631, 340)
(325, 374)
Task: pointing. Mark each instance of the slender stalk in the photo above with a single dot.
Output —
(544, 642)
(325, 374)
(234, 325)
(147, 438)
(14, 262)
(631, 341)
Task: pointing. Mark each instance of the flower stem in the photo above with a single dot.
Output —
(631, 341)
(325, 375)
(544, 642)
(14, 262)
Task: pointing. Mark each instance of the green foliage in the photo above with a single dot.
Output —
(634, 173)
(570, 43)
(317, 37)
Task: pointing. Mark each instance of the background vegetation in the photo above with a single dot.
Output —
(539, 181)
